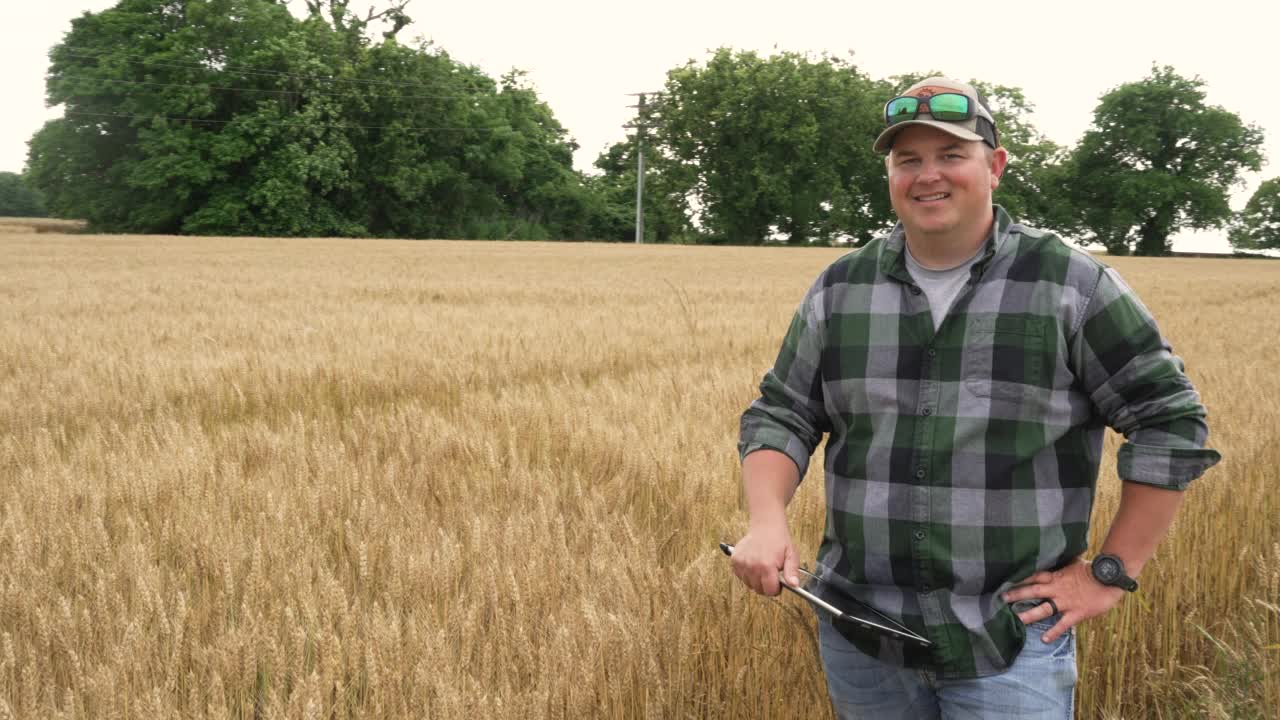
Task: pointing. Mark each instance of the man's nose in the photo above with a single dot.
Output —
(929, 171)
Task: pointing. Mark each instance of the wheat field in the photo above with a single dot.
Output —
(257, 478)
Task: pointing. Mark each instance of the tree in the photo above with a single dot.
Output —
(182, 116)
(234, 117)
(1158, 159)
(17, 199)
(777, 144)
(1257, 227)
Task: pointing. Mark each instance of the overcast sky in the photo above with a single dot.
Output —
(584, 56)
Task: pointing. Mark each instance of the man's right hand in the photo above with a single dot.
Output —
(760, 554)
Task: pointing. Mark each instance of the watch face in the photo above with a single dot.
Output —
(1106, 570)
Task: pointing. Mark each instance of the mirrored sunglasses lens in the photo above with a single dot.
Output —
(903, 108)
(949, 106)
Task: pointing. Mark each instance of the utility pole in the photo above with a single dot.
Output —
(641, 124)
(640, 175)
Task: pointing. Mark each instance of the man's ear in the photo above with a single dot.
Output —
(999, 159)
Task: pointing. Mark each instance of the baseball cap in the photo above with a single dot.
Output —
(980, 127)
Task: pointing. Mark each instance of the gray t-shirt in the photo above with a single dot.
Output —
(940, 286)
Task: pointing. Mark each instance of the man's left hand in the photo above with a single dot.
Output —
(1075, 592)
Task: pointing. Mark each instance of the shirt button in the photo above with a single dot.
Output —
(920, 473)
(915, 290)
(926, 412)
(932, 352)
(919, 534)
(925, 589)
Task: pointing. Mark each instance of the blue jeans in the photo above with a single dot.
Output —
(1040, 685)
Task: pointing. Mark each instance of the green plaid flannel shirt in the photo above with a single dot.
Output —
(960, 462)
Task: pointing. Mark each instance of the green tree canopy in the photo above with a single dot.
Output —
(1257, 227)
(234, 117)
(1158, 159)
(17, 199)
(777, 144)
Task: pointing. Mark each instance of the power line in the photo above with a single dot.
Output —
(268, 91)
(239, 70)
(291, 124)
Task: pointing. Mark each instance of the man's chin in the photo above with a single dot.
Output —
(934, 214)
(932, 227)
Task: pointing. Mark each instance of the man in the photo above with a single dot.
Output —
(965, 367)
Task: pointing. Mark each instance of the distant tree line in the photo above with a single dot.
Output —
(18, 198)
(233, 117)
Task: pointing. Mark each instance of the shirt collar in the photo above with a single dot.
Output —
(893, 256)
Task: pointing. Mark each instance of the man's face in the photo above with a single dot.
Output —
(941, 185)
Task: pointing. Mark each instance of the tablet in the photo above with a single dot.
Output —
(844, 608)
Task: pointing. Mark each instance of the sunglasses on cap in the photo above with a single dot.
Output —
(948, 107)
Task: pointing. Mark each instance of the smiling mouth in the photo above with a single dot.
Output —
(933, 197)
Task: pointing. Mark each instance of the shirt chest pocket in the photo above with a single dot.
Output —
(1004, 357)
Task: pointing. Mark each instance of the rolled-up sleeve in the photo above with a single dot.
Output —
(790, 415)
(1140, 388)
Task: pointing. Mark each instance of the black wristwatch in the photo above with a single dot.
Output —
(1109, 570)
